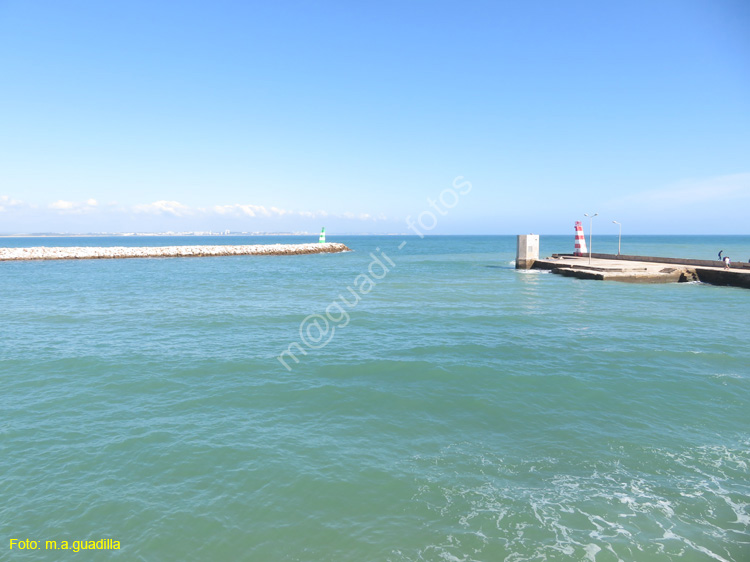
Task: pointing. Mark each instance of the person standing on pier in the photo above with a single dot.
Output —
(727, 262)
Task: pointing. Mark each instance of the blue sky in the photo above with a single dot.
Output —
(287, 116)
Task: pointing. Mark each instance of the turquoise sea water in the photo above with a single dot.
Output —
(466, 411)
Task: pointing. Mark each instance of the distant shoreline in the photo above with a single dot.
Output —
(153, 234)
(206, 234)
(315, 234)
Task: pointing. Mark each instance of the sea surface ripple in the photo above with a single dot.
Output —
(467, 411)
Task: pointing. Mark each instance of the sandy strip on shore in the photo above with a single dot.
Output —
(114, 252)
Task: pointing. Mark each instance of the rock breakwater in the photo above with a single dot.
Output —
(116, 252)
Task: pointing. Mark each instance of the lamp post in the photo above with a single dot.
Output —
(591, 231)
(619, 238)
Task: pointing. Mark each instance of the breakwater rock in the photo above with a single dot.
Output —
(114, 252)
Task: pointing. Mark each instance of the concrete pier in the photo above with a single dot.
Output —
(645, 269)
(115, 252)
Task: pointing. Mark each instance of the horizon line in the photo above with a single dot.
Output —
(207, 234)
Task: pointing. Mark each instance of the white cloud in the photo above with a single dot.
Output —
(240, 210)
(362, 216)
(174, 208)
(313, 214)
(6, 202)
(177, 209)
(73, 207)
(62, 205)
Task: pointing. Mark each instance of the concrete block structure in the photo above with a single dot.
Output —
(527, 251)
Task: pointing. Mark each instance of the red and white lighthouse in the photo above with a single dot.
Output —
(580, 240)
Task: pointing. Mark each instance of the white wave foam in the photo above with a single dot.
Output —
(611, 512)
(591, 551)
